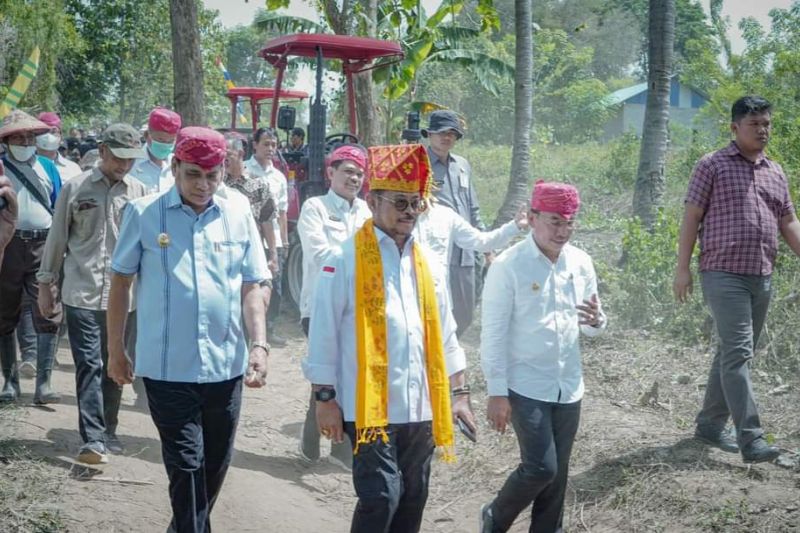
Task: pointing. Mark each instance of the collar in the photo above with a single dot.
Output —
(339, 202)
(733, 150)
(98, 175)
(539, 255)
(383, 236)
(60, 160)
(435, 158)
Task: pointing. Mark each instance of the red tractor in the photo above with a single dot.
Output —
(306, 171)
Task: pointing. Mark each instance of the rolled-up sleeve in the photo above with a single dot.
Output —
(496, 315)
(321, 365)
(254, 265)
(128, 252)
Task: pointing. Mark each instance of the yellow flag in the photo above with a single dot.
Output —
(21, 84)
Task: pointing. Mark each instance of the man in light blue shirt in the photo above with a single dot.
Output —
(198, 266)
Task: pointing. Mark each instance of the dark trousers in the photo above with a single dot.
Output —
(197, 425)
(274, 309)
(26, 334)
(17, 277)
(739, 305)
(462, 291)
(98, 396)
(545, 432)
(391, 480)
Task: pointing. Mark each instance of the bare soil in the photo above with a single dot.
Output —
(635, 467)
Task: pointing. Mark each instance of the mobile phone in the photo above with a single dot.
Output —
(465, 429)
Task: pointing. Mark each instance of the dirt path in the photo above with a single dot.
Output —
(633, 468)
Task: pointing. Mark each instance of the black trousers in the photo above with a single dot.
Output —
(197, 425)
(545, 432)
(391, 479)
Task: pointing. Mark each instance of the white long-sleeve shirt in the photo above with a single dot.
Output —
(440, 228)
(529, 335)
(332, 356)
(325, 222)
(279, 189)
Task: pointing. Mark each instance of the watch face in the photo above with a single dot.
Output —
(325, 395)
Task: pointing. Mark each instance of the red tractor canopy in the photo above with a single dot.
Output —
(256, 95)
(355, 53)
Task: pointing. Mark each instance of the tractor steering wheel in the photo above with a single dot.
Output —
(336, 139)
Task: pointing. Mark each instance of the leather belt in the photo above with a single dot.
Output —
(31, 234)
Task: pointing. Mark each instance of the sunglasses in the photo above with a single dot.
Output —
(401, 204)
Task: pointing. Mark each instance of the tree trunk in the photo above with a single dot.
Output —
(370, 128)
(649, 192)
(187, 62)
(519, 184)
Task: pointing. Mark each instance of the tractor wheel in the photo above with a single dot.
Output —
(294, 273)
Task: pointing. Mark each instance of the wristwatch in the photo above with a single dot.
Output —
(324, 395)
(263, 345)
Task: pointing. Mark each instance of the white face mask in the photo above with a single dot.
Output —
(22, 153)
(48, 141)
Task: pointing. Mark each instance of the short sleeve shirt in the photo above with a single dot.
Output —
(743, 202)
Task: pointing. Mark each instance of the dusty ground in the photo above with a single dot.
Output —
(634, 466)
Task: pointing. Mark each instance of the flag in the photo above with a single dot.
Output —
(21, 84)
(230, 85)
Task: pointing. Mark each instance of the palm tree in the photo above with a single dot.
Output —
(187, 62)
(523, 113)
(649, 190)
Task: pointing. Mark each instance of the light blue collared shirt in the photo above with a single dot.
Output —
(332, 336)
(189, 288)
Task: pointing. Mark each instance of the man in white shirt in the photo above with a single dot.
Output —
(383, 355)
(265, 146)
(440, 229)
(539, 295)
(47, 145)
(325, 222)
(154, 171)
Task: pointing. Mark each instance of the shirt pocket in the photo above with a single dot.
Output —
(87, 214)
(336, 230)
(232, 253)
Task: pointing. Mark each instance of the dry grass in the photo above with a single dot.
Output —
(29, 486)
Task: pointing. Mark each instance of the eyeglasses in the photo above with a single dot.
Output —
(401, 204)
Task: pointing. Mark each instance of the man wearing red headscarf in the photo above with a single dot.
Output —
(47, 145)
(198, 263)
(325, 223)
(155, 169)
(539, 296)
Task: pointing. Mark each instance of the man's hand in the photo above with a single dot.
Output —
(47, 299)
(498, 412)
(8, 215)
(589, 312)
(329, 421)
(120, 369)
(462, 408)
(256, 375)
(682, 285)
(521, 218)
(272, 263)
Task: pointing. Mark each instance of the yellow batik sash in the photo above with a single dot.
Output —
(372, 389)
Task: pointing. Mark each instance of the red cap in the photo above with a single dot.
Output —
(349, 153)
(204, 147)
(555, 197)
(162, 119)
(50, 118)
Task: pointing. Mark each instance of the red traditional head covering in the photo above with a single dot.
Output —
(349, 153)
(553, 197)
(162, 119)
(204, 147)
(401, 168)
(50, 118)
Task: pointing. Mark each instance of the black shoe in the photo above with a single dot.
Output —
(486, 523)
(277, 341)
(758, 451)
(723, 439)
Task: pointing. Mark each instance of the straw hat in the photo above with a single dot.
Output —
(20, 122)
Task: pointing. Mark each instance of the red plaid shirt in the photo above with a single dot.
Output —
(743, 203)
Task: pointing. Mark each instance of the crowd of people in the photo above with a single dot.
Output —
(162, 263)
